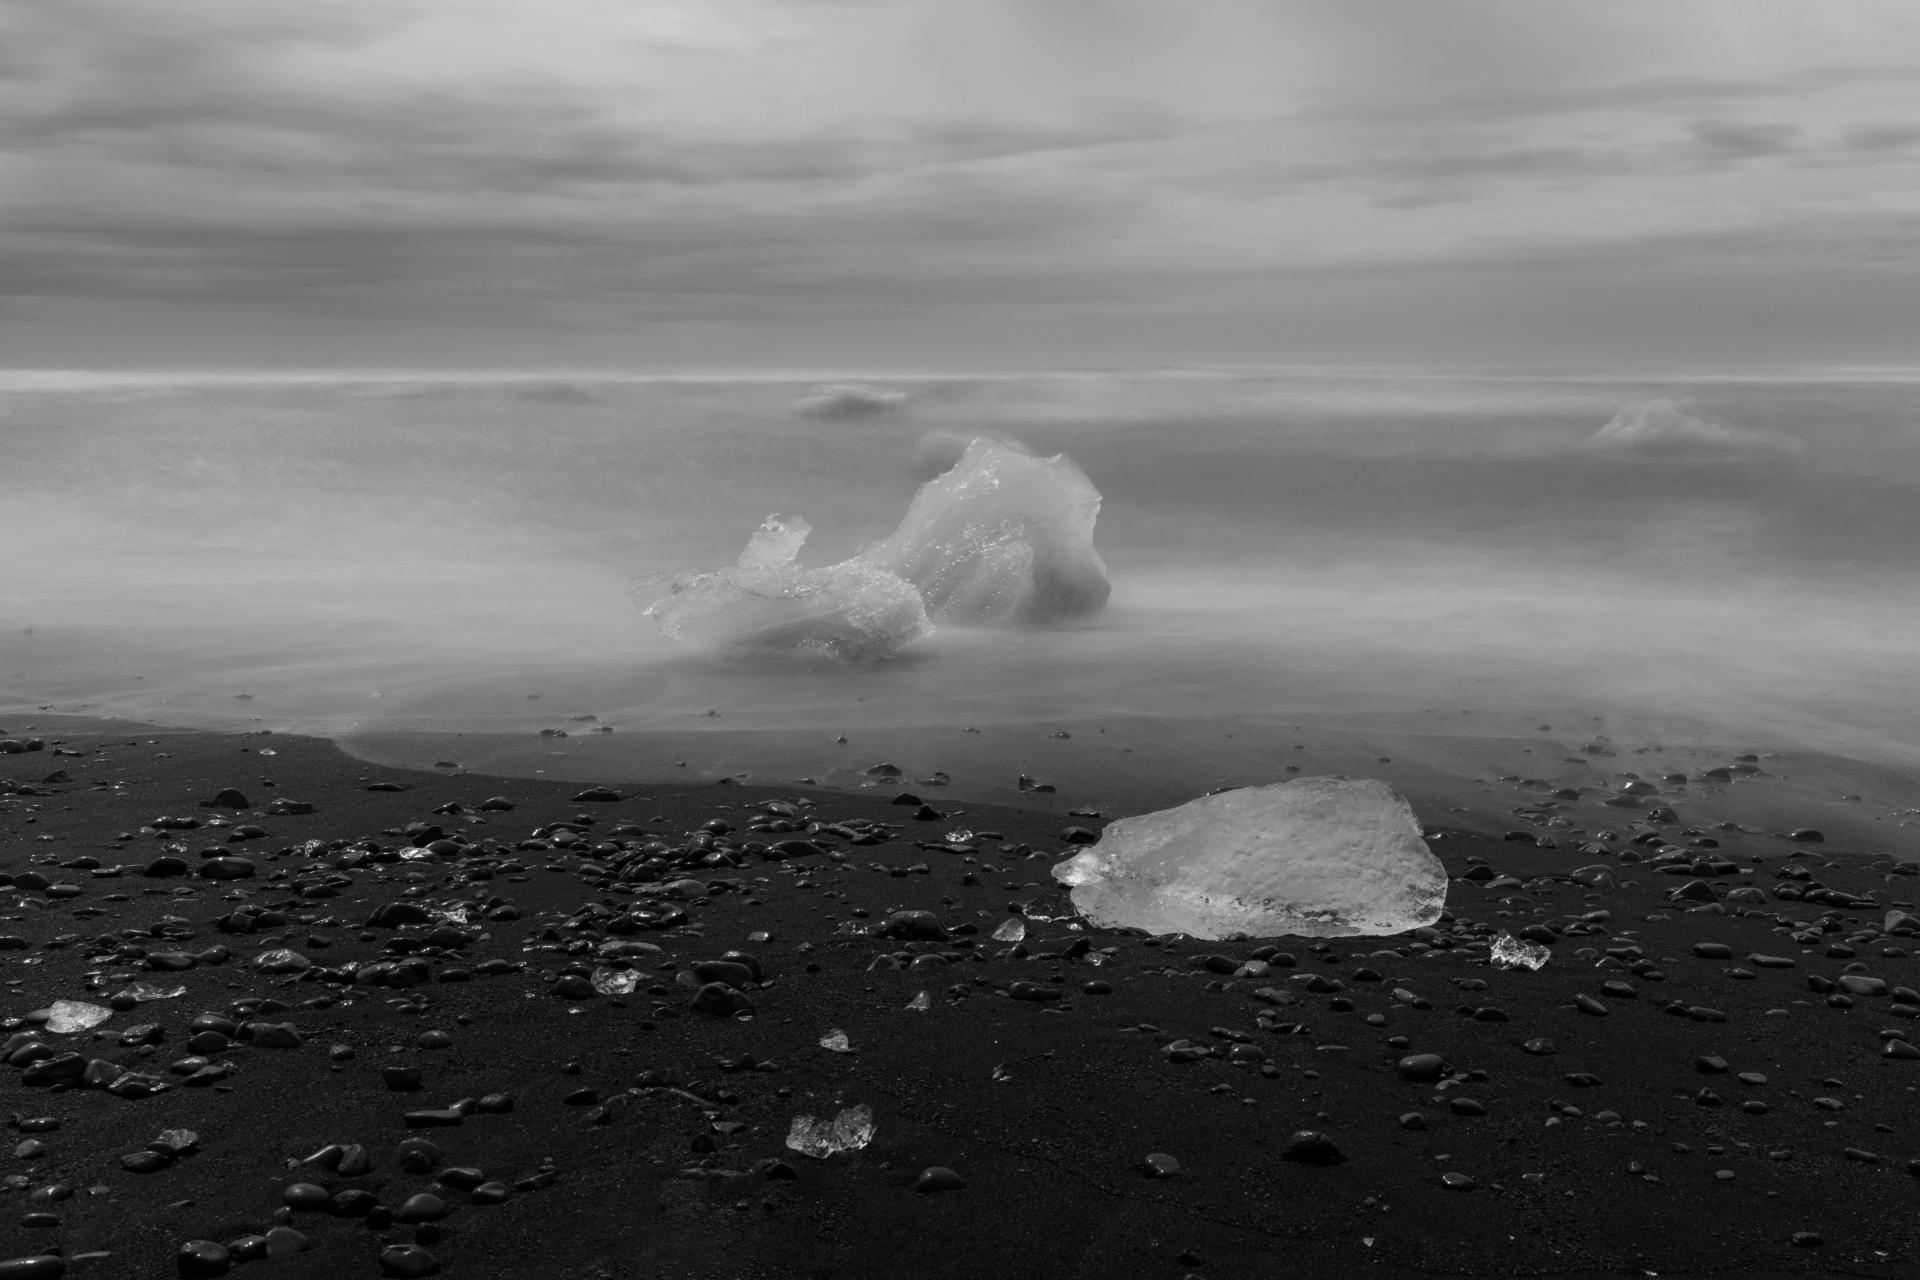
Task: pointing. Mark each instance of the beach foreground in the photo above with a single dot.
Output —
(1712, 1074)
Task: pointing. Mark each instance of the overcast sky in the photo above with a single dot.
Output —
(958, 184)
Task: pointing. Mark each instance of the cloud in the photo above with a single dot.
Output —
(851, 401)
(1668, 429)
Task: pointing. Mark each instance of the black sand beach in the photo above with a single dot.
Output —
(1711, 1075)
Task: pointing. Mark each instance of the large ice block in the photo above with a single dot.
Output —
(1002, 537)
(1319, 857)
(765, 601)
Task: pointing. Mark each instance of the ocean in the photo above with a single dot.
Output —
(433, 568)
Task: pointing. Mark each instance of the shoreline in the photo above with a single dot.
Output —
(1599, 1154)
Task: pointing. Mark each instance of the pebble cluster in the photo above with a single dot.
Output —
(1679, 964)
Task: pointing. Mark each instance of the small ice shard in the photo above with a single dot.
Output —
(143, 991)
(1317, 857)
(1670, 428)
(920, 1003)
(836, 1041)
(281, 960)
(1002, 537)
(766, 602)
(1013, 929)
(1510, 953)
(851, 1130)
(615, 982)
(67, 1016)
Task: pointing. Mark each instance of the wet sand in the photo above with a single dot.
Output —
(1635, 1146)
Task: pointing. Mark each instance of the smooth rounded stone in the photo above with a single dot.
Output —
(916, 926)
(1807, 835)
(1308, 1147)
(1033, 991)
(1807, 1239)
(1710, 1064)
(407, 1261)
(1539, 1047)
(1421, 1067)
(417, 1155)
(1588, 1005)
(145, 1162)
(1457, 1182)
(423, 1207)
(1413, 1120)
(284, 1242)
(305, 1195)
(434, 1040)
(197, 1258)
(227, 798)
(937, 1178)
(1315, 856)
(227, 868)
(1098, 987)
(1159, 1164)
(729, 972)
(401, 1079)
(1759, 961)
(460, 1177)
(353, 1202)
(1900, 1049)
(1466, 1107)
(46, 1266)
(491, 1193)
(1859, 984)
(275, 1035)
(1713, 951)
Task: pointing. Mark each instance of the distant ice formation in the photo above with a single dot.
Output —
(1003, 538)
(846, 401)
(1670, 428)
(767, 602)
(1318, 857)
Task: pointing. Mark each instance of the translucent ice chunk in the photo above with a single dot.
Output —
(615, 982)
(851, 1130)
(281, 960)
(144, 991)
(1319, 857)
(920, 1003)
(836, 1041)
(1013, 929)
(67, 1016)
(765, 601)
(1510, 953)
(1002, 537)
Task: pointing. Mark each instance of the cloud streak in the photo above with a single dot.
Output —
(734, 164)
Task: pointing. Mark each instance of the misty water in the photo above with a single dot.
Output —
(1397, 558)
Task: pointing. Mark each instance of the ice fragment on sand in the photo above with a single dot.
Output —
(848, 1131)
(1002, 537)
(615, 982)
(66, 1016)
(1319, 857)
(1013, 930)
(836, 1041)
(765, 601)
(142, 991)
(1510, 953)
(920, 1003)
(281, 960)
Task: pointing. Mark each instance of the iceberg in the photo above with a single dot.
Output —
(765, 601)
(848, 401)
(1002, 537)
(1317, 857)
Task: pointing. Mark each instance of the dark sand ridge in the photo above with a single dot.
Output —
(1604, 1156)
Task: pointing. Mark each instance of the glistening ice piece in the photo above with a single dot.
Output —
(1002, 537)
(1318, 857)
(766, 602)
